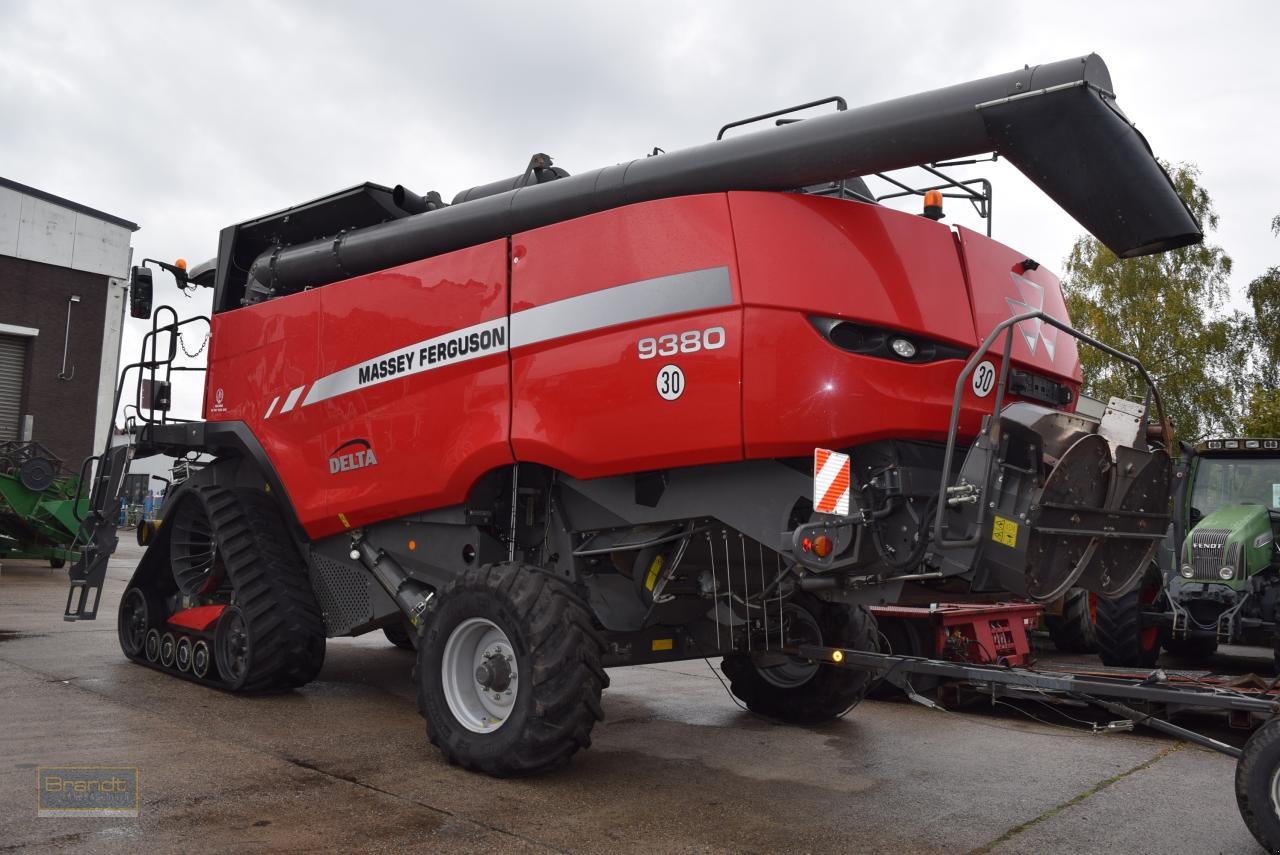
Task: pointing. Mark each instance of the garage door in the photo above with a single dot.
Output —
(13, 369)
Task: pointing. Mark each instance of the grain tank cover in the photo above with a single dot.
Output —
(1058, 123)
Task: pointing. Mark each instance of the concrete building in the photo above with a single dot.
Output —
(63, 285)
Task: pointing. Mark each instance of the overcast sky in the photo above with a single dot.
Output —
(187, 117)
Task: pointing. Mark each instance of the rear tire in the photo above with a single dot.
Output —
(1258, 785)
(1074, 630)
(798, 691)
(509, 627)
(1122, 640)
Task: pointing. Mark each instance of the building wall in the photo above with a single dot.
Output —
(33, 294)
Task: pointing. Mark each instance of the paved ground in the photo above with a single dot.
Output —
(344, 764)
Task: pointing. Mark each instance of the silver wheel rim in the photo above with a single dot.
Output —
(479, 675)
(1275, 792)
(793, 671)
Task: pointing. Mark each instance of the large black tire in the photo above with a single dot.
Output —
(555, 656)
(904, 637)
(1256, 785)
(273, 622)
(1194, 648)
(1121, 639)
(791, 690)
(1074, 631)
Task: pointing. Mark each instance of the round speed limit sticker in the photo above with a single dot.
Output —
(983, 379)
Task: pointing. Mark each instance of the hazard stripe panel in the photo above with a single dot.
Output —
(830, 482)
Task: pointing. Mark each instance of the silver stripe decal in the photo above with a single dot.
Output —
(291, 400)
(451, 348)
(623, 304)
(635, 301)
(271, 409)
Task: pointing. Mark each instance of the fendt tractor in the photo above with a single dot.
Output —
(711, 402)
(1218, 579)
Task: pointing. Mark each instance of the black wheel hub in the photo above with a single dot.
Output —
(494, 674)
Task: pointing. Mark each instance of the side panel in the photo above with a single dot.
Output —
(805, 256)
(352, 442)
(259, 357)
(434, 431)
(585, 294)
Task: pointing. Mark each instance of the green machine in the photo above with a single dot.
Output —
(40, 508)
(1219, 569)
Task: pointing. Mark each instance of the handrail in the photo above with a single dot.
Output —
(1007, 327)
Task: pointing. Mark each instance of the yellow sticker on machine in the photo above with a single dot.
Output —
(1004, 531)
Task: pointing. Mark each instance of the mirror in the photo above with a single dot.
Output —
(140, 287)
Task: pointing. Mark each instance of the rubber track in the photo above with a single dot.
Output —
(563, 666)
(1116, 633)
(1073, 631)
(271, 588)
(831, 692)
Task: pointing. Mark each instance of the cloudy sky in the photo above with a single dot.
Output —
(187, 117)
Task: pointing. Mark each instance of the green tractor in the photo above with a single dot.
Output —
(1216, 579)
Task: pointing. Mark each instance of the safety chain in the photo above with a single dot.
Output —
(199, 350)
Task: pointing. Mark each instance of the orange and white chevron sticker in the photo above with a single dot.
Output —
(830, 482)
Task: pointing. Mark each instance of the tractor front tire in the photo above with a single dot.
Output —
(799, 691)
(509, 674)
(1073, 631)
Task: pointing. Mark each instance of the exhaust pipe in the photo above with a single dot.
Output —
(1058, 123)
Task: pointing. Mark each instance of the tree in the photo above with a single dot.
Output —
(1262, 417)
(1168, 310)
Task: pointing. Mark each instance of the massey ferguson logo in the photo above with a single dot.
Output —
(352, 454)
(1031, 299)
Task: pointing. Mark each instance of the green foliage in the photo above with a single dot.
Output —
(1168, 310)
(1262, 418)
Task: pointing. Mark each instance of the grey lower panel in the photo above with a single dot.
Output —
(343, 592)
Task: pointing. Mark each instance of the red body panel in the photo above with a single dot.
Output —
(570, 311)
(587, 404)
(434, 433)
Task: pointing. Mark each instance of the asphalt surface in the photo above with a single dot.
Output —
(676, 767)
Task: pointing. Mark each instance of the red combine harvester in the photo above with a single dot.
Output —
(569, 422)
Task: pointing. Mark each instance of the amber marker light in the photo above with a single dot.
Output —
(933, 204)
(837, 656)
(181, 264)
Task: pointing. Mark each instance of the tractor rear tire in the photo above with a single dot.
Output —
(1074, 631)
(1258, 785)
(798, 691)
(509, 674)
(272, 636)
(1122, 640)
(1194, 648)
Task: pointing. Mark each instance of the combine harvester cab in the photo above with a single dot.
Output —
(569, 422)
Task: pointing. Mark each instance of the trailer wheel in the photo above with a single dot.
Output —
(1073, 631)
(509, 674)
(799, 691)
(401, 635)
(1121, 638)
(1258, 785)
(271, 635)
